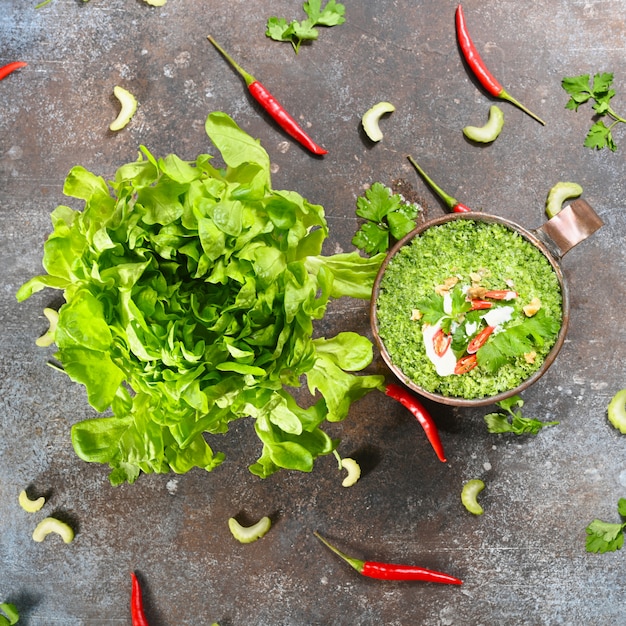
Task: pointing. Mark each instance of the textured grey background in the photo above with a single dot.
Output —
(524, 560)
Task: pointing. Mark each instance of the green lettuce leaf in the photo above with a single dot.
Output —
(191, 293)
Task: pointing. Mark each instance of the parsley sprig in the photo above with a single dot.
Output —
(387, 214)
(582, 89)
(606, 536)
(512, 421)
(296, 32)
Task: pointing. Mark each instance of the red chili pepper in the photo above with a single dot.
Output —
(500, 294)
(478, 304)
(480, 339)
(452, 203)
(392, 571)
(11, 67)
(465, 364)
(478, 67)
(411, 403)
(137, 615)
(441, 342)
(271, 105)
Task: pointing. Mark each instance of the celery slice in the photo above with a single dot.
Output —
(52, 525)
(30, 506)
(249, 534)
(558, 194)
(469, 493)
(353, 469)
(371, 119)
(490, 131)
(616, 411)
(129, 106)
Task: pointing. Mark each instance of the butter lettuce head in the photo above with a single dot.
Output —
(191, 292)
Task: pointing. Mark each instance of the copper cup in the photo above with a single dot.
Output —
(554, 239)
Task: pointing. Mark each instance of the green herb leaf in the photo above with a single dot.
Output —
(377, 203)
(513, 421)
(602, 83)
(599, 136)
(431, 308)
(332, 14)
(581, 89)
(433, 311)
(296, 32)
(605, 536)
(387, 214)
(500, 423)
(517, 340)
(400, 224)
(371, 238)
(191, 293)
(508, 403)
(276, 28)
(300, 32)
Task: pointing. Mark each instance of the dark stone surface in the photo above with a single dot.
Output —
(524, 560)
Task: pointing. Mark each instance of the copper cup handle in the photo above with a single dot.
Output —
(569, 227)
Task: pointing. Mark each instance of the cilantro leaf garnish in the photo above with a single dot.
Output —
(606, 536)
(513, 421)
(296, 32)
(433, 311)
(582, 89)
(431, 308)
(517, 340)
(387, 214)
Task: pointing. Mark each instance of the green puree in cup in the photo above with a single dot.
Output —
(469, 309)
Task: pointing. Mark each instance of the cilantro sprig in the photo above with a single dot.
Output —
(434, 312)
(296, 32)
(517, 340)
(606, 536)
(513, 421)
(583, 89)
(387, 214)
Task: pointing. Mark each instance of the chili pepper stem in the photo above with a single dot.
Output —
(357, 564)
(452, 203)
(248, 78)
(504, 95)
(447, 198)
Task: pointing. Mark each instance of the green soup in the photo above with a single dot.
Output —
(480, 292)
